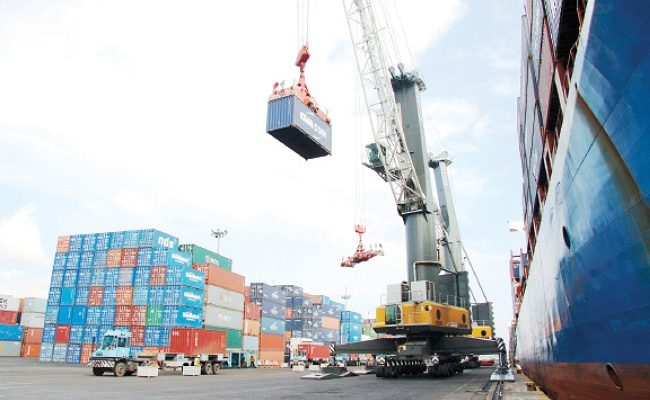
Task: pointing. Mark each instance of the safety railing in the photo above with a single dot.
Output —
(441, 298)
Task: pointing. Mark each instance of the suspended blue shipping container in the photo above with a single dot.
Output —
(11, 333)
(100, 259)
(141, 276)
(46, 352)
(67, 296)
(49, 331)
(154, 238)
(298, 127)
(76, 334)
(140, 295)
(81, 298)
(65, 315)
(94, 315)
(57, 278)
(87, 259)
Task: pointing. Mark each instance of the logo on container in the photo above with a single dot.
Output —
(166, 242)
(211, 260)
(314, 126)
(180, 258)
(193, 276)
(190, 316)
(192, 296)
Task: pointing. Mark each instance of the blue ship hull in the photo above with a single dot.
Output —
(584, 322)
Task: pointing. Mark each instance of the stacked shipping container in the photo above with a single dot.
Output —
(271, 300)
(21, 326)
(32, 319)
(351, 327)
(252, 328)
(132, 280)
(11, 334)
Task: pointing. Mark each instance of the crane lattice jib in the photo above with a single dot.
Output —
(385, 119)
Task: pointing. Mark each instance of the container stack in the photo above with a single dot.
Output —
(32, 319)
(131, 280)
(224, 303)
(272, 301)
(11, 334)
(252, 328)
(202, 255)
(351, 327)
(325, 320)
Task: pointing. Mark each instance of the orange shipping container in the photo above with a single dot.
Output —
(331, 323)
(124, 296)
(158, 276)
(86, 351)
(226, 279)
(33, 335)
(129, 258)
(273, 358)
(95, 295)
(252, 311)
(271, 342)
(123, 315)
(30, 350)
(251, 328)
(138, 317)
(63, 244)
(137, 334)
(113, 258)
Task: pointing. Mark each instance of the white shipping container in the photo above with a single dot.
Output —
(9, 349)
(34, 305)
(250, 343)
(223, 318)
(32, 320)
(9, 303)
(225, 298)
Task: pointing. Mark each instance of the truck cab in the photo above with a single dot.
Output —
(114, 355)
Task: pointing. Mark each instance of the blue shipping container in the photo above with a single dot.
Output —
(46, 352)
(126, 277)
(118, 240)
(131, 239)
(177, 316)
(85, 277)
(81, 298)
(351, 316)
(76, 334)
(12, 333)
(73, 356)
(98, 277)
(67, 296)
(65, 315)
(51, 314)
(70, 278)
(262, 292)
(110, 295)
(87, 259)
(94, 315)
(183, 296)
(298, 127)
(108, 315)
(193, 278)
(79, 315)
(103, 240)
(156, 295)
(100, 259)
(140, 295)
(76, 241)
(49, 330)
(59, 261)
(272, 325)
(90, 335)
(154, 238)
(273, 310)
(171, 258)
(156, 336)
(145, 257)
(141, 276)
(54, 296)
(112, 277)
(57, 278)
(73, 260)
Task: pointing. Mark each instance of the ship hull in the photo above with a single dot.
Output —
(582, 329)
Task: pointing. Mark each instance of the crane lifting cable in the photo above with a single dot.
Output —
(361, 254)
(294, 117)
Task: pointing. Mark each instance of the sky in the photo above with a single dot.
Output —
(151, 114)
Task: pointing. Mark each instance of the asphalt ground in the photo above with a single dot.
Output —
(24, 379)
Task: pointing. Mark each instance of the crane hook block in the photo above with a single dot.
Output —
(361, 254)
(295, 119)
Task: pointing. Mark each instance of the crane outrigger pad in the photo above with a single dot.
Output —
(298, 127)
(439, 344)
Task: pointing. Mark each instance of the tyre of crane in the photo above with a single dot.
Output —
(216, 367)
(206, 368)
(395, 371)
(119, 369)
(98, 371)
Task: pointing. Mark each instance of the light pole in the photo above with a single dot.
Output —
(219, 234)
(345, 296)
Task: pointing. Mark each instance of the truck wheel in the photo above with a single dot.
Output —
(119, 369)
(98, 371)
(216, 367)
(206, 368)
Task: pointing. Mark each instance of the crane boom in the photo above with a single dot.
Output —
(389, 156)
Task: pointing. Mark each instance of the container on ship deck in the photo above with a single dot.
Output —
(298, 127)
(197, 341)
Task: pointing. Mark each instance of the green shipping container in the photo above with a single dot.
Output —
(233, 336)
(201, 255)
(154, 315)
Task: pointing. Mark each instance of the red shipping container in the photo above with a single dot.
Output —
(8, 317)
(114, 258)
(158, 276)
(226, 279)
(33, 335)
(269, 341)
(30, 350)
(95, 295)
(315, 351)
(247, 294)
(63, 244)
(123, 315)
(137, 335)
(62, 334)
(138, 315)
(252, 311)
(124, 296)
(86, 352)
(193, 342)
(129, 257)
